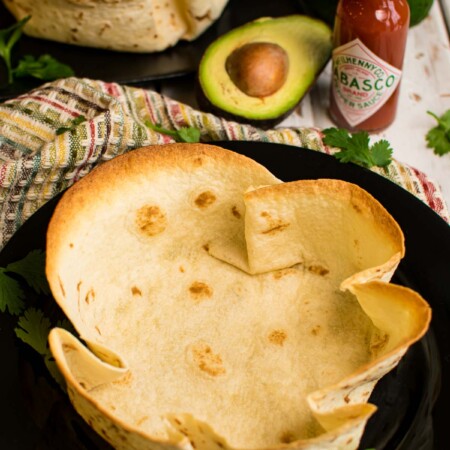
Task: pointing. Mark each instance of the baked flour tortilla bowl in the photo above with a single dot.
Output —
(243, 325)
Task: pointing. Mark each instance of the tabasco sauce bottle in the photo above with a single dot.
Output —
(369, 46)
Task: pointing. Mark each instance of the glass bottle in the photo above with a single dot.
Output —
(369, 46)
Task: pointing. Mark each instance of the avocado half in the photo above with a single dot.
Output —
(298, 48)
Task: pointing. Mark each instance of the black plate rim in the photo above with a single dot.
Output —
(286, 154)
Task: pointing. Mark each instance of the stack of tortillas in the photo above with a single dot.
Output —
(222, 308)
(123, 25)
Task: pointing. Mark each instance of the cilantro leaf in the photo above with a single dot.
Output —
(184, 134)
(382, 153)
(356, 148)
(73, 124)
(32, 269)
(189, 134)
(359, 142)
(11, 294)
(33, 328)
(438, 138)
(336, 137)
(44, 68)
(8, 38)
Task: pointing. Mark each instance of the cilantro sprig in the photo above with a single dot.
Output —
(33, 329)
(45, 67)
(73, 124)
(438, 138)
(8, 38)
(356, 148)
(11, 294)
(31, 270)
(184, 134)
(33, 326)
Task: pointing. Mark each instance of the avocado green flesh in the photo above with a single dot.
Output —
(307, 42)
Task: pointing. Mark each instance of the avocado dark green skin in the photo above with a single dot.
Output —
(205, 105)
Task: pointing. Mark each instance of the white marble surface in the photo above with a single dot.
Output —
(425, 86)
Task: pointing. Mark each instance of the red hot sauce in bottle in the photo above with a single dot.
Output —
(369, 46)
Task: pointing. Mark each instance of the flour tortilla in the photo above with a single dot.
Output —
(187, 349)
(122, 25)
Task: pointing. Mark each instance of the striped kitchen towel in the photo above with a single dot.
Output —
(36, 162)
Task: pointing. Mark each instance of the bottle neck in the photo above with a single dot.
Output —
(378, 15)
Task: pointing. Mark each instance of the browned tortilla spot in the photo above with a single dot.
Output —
(318, 270)
(200, 291)
(379, 342)
(274, 225)
(206, 360)
(141, 420)
(136, 291)
(69, 348)
(63, 292)
(198, 161)
(276, 228)
(205, 199)
(151, 220)
(235, 212)
(283, 272)
(287, 437)
(357, 208)
(90, 295)
(277, 337)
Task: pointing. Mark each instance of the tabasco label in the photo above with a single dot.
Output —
(362, 82)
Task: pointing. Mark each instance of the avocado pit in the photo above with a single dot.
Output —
(258, 69)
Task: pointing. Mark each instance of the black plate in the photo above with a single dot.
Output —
(413, 406)
(135, 68)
